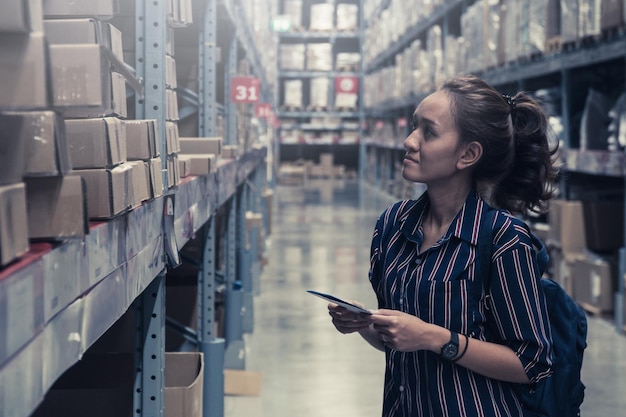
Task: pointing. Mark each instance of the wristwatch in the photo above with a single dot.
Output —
(451, 349)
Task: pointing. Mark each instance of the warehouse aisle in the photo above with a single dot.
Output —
(320, 240)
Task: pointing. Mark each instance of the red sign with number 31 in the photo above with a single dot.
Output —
(244, 89)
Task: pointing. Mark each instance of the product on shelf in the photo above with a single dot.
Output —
(322, 17)
(23, 71)
(292, 57)
(56, 207)
(96, 142)
(347, 17)
(13, 222)
(293, 94)
(319, 57)
(320, 86)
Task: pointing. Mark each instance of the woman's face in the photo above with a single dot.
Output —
(432, 148)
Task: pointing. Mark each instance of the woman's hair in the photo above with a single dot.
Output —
(517, 162)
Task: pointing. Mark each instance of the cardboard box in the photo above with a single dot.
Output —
(230, 151)
(57, 207)
(567, 228)
(140, 183)
(141, 139)
(23, 69)
(108, 190)
(155, 167)
(13, 222)
(184, 165)
(201, 164)
(85, 31)
(21, 16)
(45, 147)
(595, 282)
(172, 141)
(201, 145)
(96, 143)
(11, 150)
(184, 382)
(173, 176)
(562, 265)
(81, 80)
(72, 31)
(102, 9)
(118, 95)
(238, 382)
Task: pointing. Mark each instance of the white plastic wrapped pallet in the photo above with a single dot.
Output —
(293, 93)
(320, 87)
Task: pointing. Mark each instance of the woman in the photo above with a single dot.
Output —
(453, 347)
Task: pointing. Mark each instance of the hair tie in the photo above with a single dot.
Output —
(510, 101)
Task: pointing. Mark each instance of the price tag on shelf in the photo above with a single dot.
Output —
(347, 84)
(245, 89)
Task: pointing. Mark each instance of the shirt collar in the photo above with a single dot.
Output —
(464, 226)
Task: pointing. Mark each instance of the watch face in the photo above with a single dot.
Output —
(450, 350)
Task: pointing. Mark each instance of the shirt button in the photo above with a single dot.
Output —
(418, 261)
(401, 388)
(401, 301)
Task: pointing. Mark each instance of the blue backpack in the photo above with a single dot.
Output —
(562, 393)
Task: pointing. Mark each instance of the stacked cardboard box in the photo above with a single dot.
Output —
(37, 200)
(347, 17)
(202, 154)
(293, 94)
(292, 56)
(320, 87)
(319, 57)
(293, 10)
(322, 17)
(582, 243)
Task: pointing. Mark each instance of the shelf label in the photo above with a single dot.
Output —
(245, 89)
(347, 84)
(402, 122)
(263, 111)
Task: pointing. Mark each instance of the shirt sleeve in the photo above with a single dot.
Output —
(517, 300)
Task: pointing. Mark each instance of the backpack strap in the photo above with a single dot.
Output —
(485, 247)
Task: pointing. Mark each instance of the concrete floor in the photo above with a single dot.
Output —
(320, 240)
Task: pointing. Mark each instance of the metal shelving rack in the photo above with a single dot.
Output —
(519, 75)
(61, 297)
(299, 119)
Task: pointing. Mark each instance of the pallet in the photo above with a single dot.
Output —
(345, 109)
(317, 108)
(291, 108)
(348, 68)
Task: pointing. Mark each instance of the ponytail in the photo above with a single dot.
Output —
(517, 162)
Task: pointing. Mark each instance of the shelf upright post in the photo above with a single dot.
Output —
(244, 258)
(565, 118)
(149, 358)
(211, 346)
(150, 42)
(207, 64)
(149, 380)
(362, 145)
(231, 108)
(233, 296)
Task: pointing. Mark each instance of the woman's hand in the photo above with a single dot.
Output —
(347, 321)
(404, 332)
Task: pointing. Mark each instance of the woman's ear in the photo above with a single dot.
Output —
(470, 155)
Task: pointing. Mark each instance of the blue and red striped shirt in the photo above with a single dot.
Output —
(442, 286)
